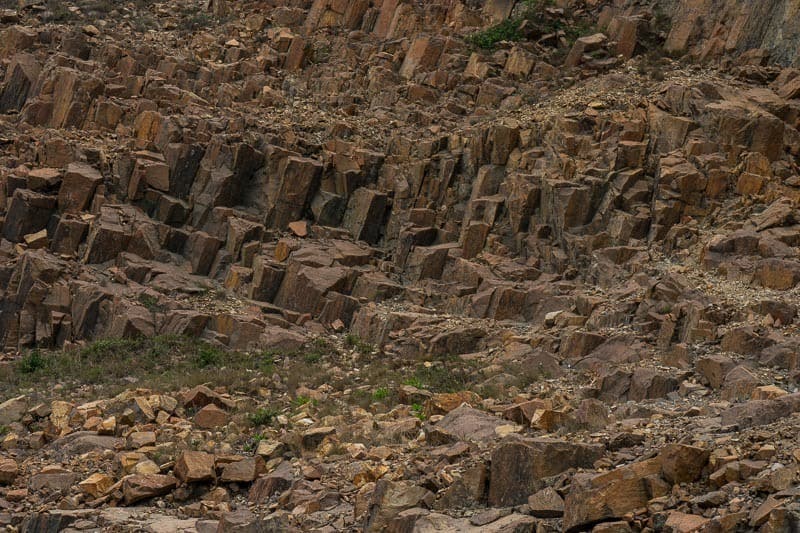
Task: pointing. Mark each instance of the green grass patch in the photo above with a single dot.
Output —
(533, 17)
(160, 363)
(381, 394)
(487, 39)
(352, 340)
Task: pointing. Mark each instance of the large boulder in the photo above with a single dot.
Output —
(518, 464)
(604, 497)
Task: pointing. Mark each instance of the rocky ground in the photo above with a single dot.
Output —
(402, 266)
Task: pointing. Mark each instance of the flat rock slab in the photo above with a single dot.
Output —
(464, 423)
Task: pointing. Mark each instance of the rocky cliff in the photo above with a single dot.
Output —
(400, 266)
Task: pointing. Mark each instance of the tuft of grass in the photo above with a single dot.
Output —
(381, 394)
(317, 350)
(251, 444)
(262, 417)
(414, 381)
(301, 401)
(418, 411)
(57, 12)
(352, 340)
(266, 363)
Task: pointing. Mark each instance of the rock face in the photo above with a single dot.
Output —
(452, 265)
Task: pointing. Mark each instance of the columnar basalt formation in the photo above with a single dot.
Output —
(389, 265)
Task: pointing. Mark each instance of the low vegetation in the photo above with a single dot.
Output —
(531, 19)
(162, 363)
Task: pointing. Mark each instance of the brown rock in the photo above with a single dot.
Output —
(275, 482)
(211, 417)
(364, 216)
(463, 423)
(143, 486)
(200, 396)
(583, 45)
(714, 368)
(443, 403)
(8, 471)
(28, 212)
(96, 485)
(519, 463)
(244, 471)
(546, 503)
(194, 467)
(684, 523)
(389, 499)
(22, 74)
(761, 412)
(78, 187)
(312, 438)
(602, 497)
(681, 463)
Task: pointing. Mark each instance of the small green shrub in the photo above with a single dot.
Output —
(208, 356)
(262, 417)
(418, 411)
(32, 362)
(487, 39)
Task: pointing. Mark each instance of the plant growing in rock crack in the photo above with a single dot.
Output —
(264, 416)
(252, 443)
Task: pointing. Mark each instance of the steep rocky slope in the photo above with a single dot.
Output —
(457, 265)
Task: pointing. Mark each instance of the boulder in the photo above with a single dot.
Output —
(243, 471)
(28, 212)
(604, 497)
(78, 187)
(140, 487)
(194, 467)
(681, 463)
(518, 464)
(275, 482)
(22, 74)
(463, 423)
(364, 215)
(8, 471)
(389, 499)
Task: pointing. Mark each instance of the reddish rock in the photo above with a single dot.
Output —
(518, 464)
(144, 486)
(211, 417)
(194, 467)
